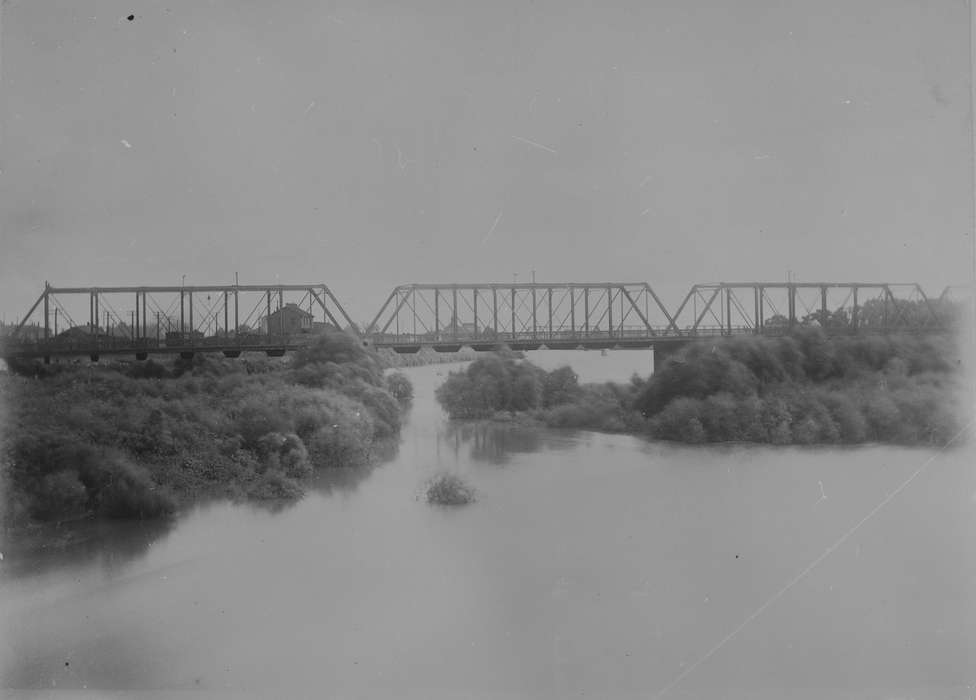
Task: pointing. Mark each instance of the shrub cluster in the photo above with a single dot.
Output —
(449, 490)
(806, 388)
(133, 440)
(493, 385)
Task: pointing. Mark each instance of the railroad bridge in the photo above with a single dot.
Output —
(274, 319)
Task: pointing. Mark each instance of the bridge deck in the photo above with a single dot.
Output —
(277, 345)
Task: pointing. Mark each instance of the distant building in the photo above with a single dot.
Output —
(288, 320)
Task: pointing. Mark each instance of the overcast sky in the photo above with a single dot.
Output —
(369, 144)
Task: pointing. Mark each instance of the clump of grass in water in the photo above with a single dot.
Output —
(449, 490)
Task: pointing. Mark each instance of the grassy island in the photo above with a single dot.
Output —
(803, 388)
(139, 439)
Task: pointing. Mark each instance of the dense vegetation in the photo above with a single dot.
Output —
(494, 386)
(449, 490)
(135, 440)
(803, 388)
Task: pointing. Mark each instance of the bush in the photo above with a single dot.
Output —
(274, 485)
(399, 387)
(60, 495)
(129, 492)
(805, 388)
(209, 425)
(449, 490)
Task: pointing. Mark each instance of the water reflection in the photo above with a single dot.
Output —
(109, 545)
(497, 443)
(112, 544)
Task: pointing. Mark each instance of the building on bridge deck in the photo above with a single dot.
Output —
(288, 320)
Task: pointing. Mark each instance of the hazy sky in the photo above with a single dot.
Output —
(370, 144)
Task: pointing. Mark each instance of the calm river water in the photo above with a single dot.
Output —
(592, 565)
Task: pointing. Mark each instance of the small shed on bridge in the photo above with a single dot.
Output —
(290, 319)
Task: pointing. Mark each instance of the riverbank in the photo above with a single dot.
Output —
(805, 388)
(142, 440)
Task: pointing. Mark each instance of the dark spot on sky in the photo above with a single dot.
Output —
(66, 663)
(736, 556)
(131, 17)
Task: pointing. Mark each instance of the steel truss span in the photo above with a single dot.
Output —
(277, 318)
(519, 315)
(174, 319)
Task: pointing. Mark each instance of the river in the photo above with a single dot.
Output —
(591, 565)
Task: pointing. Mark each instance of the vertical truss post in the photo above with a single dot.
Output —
(477, 328)
(454, 318)
(182, 314)
(47, 312)
(437, 313)
(96, 315)
(226, 316)
(190, 301)
(281, 313)
(267, 316)
(823, 305)
(609, 311)
(572, 310)
(791, 291)
(135, 329)
(755, 310)
(494, 310)
(550, 313)
(534, 325)
(884, 313)
(145, 321)
(761, 306)
(513, 314)
(623, 315)
(728, 310)
(237, 314)
(586, 312)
